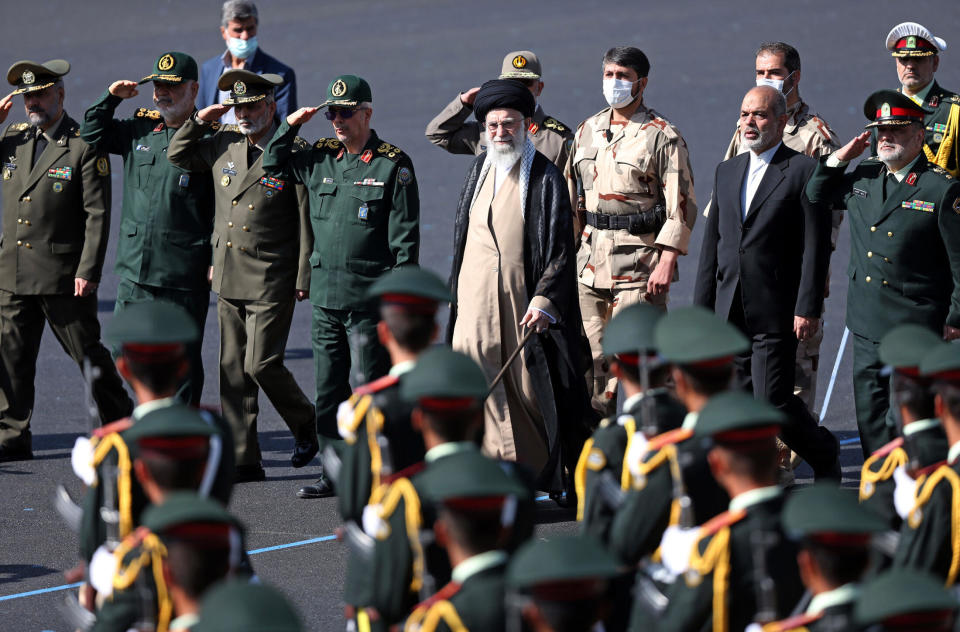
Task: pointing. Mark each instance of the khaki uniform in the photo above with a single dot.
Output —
(808, 134)
(261, 248)
(452, 131)
(55, 225)
(624, 170)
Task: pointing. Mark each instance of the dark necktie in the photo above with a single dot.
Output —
(41, 144)
(253, 152)
(889, 182)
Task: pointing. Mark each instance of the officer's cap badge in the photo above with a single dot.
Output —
(885, 109)
(339, 88)
(166, 62)
(519, 61)
(239, 88)
(28, 77)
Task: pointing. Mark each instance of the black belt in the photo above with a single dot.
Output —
(650, 221)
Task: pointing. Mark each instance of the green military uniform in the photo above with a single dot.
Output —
(261, 243)
(904, 255)
(565, 577)
(930, 538)
(921, 443)
(720, 586)
(56, 219)
(828, 518)
(167, 216)
(452, 131)
(904, 600)
(365, 216)
(241, 606)
(474, 597)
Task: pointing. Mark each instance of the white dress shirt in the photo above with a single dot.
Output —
(755, 170)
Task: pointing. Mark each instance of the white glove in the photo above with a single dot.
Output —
(675, 548)
(636, 453)
(81, 458)
(103, 568)
(345, 421)
(374, 525)
(905, 494)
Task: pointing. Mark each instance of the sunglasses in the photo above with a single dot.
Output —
(344, 113)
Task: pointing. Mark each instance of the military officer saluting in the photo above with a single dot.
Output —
(452, 131)
(365, 220)
(167, 215)
(917, 52)
(261, 245)
(56, 219)
(631, 185)
(905, 246)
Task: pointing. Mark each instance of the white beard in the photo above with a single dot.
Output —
(504, 157)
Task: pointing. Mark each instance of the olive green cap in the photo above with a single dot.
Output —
(901, 592)
(442, 373)
(889, 107)
(154, 323)
(470, 476)
(942, 362)
(694, 335)
(247, 87)
(735, 416)
(29, 76)
(631, 331)
(242, 606)
(348, 91)
(167, 422)
(574, 560)
(520, 64)
(905, 346)
(173, 67)
(829, 513)
(183, 508)
(410, 286)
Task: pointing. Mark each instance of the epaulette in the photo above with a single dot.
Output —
(299, 143)
(19, 127)
(145, 113)
(726, 519)
(554, 124)
(941, 171)
(798, 622)
(955, 98)
(228, 127)
(331, 145)
(377, 385)
(887, 449)
(117, 426)
(392, 152)
(670, 437)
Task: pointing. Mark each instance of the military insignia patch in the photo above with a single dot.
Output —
(366, 156)
(328, 180)
(519, 61)
(404, 176)
(534, 128)
(143, 148)
(57, 187)
(938, 138)
(165, 63)
(859, 192)
(339, 88)
(596, 459)
(60, 173)
(103, 166)
(912, 179)
(272, 183)
(363, 212)
(885, 109)
(912, 42)
(239, 88)
(918, 205)
(225, 181)
(27, 77)
(184, 180)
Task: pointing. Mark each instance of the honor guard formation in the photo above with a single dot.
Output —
(565, 245)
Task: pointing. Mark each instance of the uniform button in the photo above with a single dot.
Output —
(889, 234)
(869, 254)
(235, 202)
(250, 207)
(873, 229)
(19, 243)
(229, 244)
(887, 260)
(229, 224)
(19, 220)
(26, 198)
(26, 222)
(243, 249)
(885, 282)
(867, 279)
(246, 229)
(27, 245)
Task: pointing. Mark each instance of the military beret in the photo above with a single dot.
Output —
(900, 594)
(942, 362)
(154, 323)
(411, 287)
(446, 378)
(909, 39)
(456, 482)
(504, 94)
(29, 76)
(521, 64)
(348, 91)
(242, 606)
(173, 67)
(563, 568)
(177, 430)
(889, 107)
(904, 347)
(737, 417)
(696, 336)
(829, 514)
(247, 87)
(187, 508)
(631, 331)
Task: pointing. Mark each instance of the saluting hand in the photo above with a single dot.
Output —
(124, 89)
(468, 97)
(5, 104)
(301, 116)
(213, 112)
(854, 148)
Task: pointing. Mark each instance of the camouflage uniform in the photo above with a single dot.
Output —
(644, 163)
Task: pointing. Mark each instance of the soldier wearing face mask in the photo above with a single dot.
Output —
(631, 182)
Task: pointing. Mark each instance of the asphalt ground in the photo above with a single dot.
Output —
(417, 55)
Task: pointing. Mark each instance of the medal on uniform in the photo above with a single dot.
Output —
(57, 187)
(184, 180)
(363, 211)
(225, 181)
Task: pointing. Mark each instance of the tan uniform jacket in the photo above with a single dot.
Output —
(261, 233)
(644, 163)
(452, 131)
(56, 214)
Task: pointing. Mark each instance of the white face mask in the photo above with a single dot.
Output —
(618, 92)
(241, 49)
(776, 84)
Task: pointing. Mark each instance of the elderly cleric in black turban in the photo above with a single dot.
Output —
(504, 93)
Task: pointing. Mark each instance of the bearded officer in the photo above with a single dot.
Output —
(167, 215)
(452, 131)
(365, 220)
(261, 244)
(56, 202)
(631, 184)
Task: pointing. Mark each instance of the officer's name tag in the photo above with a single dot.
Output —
(60, 173)
(272, 183)
(229, 172)
(363, 212)
(184, 180)
(918, 205)
(859, 192)
(143, 148)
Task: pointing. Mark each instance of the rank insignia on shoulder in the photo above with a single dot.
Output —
(918, 205)
(366, 156)
(19, 127)
(145, 113)
(859, 192)
(552, 123)
(60, 173)
(272, 183)
(404, 176)
(390, 151)
(103, 166)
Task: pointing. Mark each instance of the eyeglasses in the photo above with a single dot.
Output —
(507, 124)
(345, 113)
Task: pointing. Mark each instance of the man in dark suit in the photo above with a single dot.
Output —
(238, 26)
(763, 266)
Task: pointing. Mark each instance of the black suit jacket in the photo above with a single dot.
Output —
(778, 255)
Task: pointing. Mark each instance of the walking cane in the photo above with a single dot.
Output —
(513, 356)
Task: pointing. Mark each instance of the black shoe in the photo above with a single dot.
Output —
(321, 489)
(249, 473)
(303, 452)
(14, 453)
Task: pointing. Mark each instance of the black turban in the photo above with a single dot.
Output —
(504, 93)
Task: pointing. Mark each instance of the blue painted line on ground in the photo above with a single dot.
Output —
(41, 591)
(849, 441)
(267, 549)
